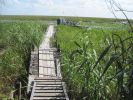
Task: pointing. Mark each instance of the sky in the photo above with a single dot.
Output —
(85, 8)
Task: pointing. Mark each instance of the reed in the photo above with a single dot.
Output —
(17, 39)
(97, 63)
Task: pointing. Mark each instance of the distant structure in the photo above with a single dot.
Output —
(62, 21)
(124, 22)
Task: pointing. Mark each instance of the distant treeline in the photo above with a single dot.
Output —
(54, 18)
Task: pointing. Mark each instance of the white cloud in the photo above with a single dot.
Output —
(47, 3)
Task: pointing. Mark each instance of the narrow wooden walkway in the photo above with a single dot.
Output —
(48, 85)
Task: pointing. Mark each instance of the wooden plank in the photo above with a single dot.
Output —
(46, 53)
(50, 80)
(34, 53)
(47, 59)
(49, 98)
(49, 95)
(50, 75)
(47, 67)
(49, 49)
(48, 88)
(46, 56)
(47, 91)
(46, 78)
(49, 83)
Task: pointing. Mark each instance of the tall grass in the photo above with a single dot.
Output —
(17, 39)
(97, 63)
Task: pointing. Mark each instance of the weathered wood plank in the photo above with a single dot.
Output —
(46, 53)
(54, 78)
(48, 88)
(49, 95)
(49, 83)
(47, 59)
(49, 98)
(49, 91)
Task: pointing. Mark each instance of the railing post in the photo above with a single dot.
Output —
(38, 62)
(33, 91)
(20, 86)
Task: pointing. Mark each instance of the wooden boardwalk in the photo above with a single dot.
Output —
(48, 84)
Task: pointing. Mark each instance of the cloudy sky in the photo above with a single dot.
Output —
(86, 8)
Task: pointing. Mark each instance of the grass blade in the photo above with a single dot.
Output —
(102, 55)
(112, 59)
